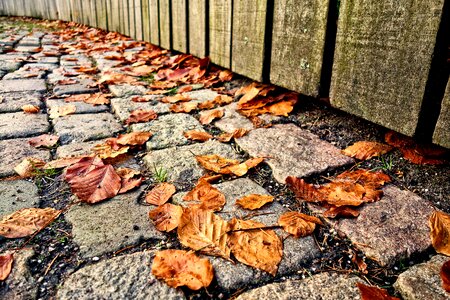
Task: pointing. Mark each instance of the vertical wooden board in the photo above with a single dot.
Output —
(154, 21)
(249, 27)
(164, 23)
(108, 5)
(197, 27)
(77, 12)
(102, 18)
(145, 21)
(132, 18)
(220, 32)
(298, 40)
(62, 10)
(441, 134)
(114, 20)
(382, 59)
(126, 17)
(138, 4)
(54, 14)
(121, 17)
(179, 30)
(93, 13)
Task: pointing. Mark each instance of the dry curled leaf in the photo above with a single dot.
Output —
(223, 165)
(365, 149)
(298, 224)
(196, 135)
(97, 99)
(106, 150)
(203, 231)
(160, 194)
(254, 201)
(184, 107)
(176, 98)
(141, 115)
(206, 117)
(133, 138)
(6, 261)
(82, 167)
(26, 221)
(439, 223)
(182, 268)
(166, 217)
(60, 111)
(28, 166)
(373, 293)
(210, 197)
(44, 140)
(445, 276)
(258, 248)
(341, 211)
(31, 109)
(242, 168)
(130, 179)
(237, 133)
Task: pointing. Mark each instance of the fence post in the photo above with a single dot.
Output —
(197, 27)
(220, 14)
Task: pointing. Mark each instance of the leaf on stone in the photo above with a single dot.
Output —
(82, 167)
(203, 231)
(31, 109)
(130, 179)
(77, 98)
(106, 150)
(445, 276)
(160, 194)
(196, 135)
(298, 224)
(176, 98)
(28, 166)
(166, 217)
(439, 223)
(305, 191)
(182, 268)
(242, 168)
(60, 111)
(254, 201)
(373, 293)
(364, 150)
(341, 211)
(26, 221)
(111, 77)
(63, 162)
(6, 261)
(141, 115)
(206, 117)
(215, 162)
(225, 75)
(67, 81)
(133, 138)
(237, 133)
(97, 99)
(209, 197)
(44, 140)
(184, 107)
(258, 248)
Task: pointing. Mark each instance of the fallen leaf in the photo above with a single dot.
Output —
(225, 75)
(237, 133)
(176, 98)
(63, 162)
(141, 115)
(359, 262)
(203, 231)
(445, 276)
(184, 107)
(6, 261)
(28, 166)
(60, 111)
(215, 162)
(242, 168)
(206, 117)
(439, 223)
(44, 140)
(196, 135)
(209, 197)
(182, 268)
(254, 201)
(130, 179)
(364, 150)
(133, 138)
(341, 211)
(97, 99)
(298, 224)
(185, 89)
(67, 81)
(110, 77)
(305, 191)
(26, 221)
(373, 293)
(160, 194)
(258, 248)
(31, 109)
(166, 217)
(77, 98)
(106, 150)
(82, 167)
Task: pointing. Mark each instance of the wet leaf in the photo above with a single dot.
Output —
(31, 109)
(184, 107)
(130, 179)
(82, 167)
(141, 115)
(60, 111)
(133, 138)
(166, 217)
(6, 261)
(44, 140)
(298, 224)
(203, 231)
(26, 221)
(439, 223)
(206, 117)
(196, 135)
(182, 268)
(373, 293)
(28, 166)
(160, 194)
(365, 149)
(445, 276)
(254, 201)
(258, 248)
(209, 197)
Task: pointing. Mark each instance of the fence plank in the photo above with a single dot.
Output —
(138, 18)
(197, 27)
(441, 134)
(179, 30)
(102, 18)
(132, 18)
(154, 22)
(164, 23)
(249, 24)
(77, 13)
(145, 20)
(220, 32)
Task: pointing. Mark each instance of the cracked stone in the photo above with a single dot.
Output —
(122, 107)
(23, 85)
(16, 195)
(20, 124)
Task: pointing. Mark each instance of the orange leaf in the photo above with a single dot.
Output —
(77, 98)
(364, 150)
(176, 98)
(106, 150)
(303, 190)
(445, 276)
(341, 211)
(206, 117)
(67, 81)
(166, 217)
(97, 99)
(160, 194)
(373, 293)
(28, 166)
(225, 75)
(30, 109)
(141, 115)
(44, 140)
(439, 223)
(184, 107)
(82, 167)
(63, 162)
(133, 138)
(26, 221)
(6, 261)
(110, 77)
(259, 248)
(196, 135)
(237, 133)
(242, 168)
(129, 179)
(209, 196)
(60, 111)
(298, 224)
(182, 268)
(254, 201)
(215, 162)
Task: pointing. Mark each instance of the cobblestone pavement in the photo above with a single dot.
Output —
(104, 251)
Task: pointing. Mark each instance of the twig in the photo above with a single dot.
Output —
(51, 264)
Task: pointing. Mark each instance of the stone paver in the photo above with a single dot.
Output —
(16, 195)
(76, 148)
(23, 85)
(13, 102)
(180, 163)
(124, 277)
(20, 124)
(111, 225)
(82, 108)
(73, 89)
(9, 66)
(322, 286)
(168, 130)
(85, 127)
(122, 107)
(291, 151)
(13, 151)
(423, 281)
(126, 90)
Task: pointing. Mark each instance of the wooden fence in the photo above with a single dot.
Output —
(385, 60)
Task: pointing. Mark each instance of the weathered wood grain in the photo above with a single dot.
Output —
(179, 28)
(102, 19)
(114, 18)
(145, 20)
(138, 19)
(132, 18)
(220, 32)
(197, 27)
(164, 24)
(154, 21)
(441, 134)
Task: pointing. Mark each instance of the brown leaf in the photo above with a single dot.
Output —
(28, 166)
(445, 276)
(97, 99)
(184, 107)
(60, 111)
(254, 201)
(203, 231)
(242, 168)
(31, 109)
(206, 117)
(182, 268)
(365, 149)
(196, 135)
(26, 221)
(99, 184)
(160, 194)
(6, 261)
(110, 77)
(67, 81)
(130, 179)
(304, 191)
(82, 167)
(133, 138)
(373, 293)
(166, 217)
(359, 262)
(44, 140)
(63, 162)
(210, 197)
(176, 98)
(440, 232)
(298, 224)
(215, 162)
(141, 115)
(259, 248)
(341, 211)
(107, 150)
(237, 133)
(225, 75)
(77, 98)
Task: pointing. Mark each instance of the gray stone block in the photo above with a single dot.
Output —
(20, 124)
(23, 85)
(16, 195)
(82, 108)
(13, 102)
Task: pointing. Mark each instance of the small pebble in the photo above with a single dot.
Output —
(95, 258)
